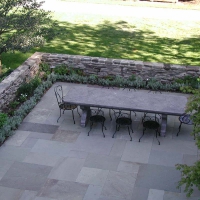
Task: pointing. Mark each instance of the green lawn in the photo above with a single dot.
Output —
(153, 40)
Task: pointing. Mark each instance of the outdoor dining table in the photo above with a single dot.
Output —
(163, 103)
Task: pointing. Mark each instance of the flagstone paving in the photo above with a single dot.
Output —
(46, 160)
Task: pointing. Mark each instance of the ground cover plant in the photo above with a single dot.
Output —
(121, 36)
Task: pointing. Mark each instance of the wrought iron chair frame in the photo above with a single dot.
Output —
(97, 116)
(62, 105)
(151, 122)
(185, 119)
(123, 119)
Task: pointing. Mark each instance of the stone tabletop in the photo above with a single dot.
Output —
(137, 100)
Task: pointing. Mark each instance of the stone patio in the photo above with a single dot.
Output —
(46, 160)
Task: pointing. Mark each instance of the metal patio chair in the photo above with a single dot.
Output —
(97, 116)
(150, 122)
(185, 119)
(62, 105)
(123, 119)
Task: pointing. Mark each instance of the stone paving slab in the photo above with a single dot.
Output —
(25, 176)
(158, 177)
(63, 190)
(36, 127)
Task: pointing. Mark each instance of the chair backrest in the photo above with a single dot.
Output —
(121, 114)
(59, 94)
(150, 118)
(97, 111)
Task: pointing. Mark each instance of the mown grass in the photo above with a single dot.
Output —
(145, 39)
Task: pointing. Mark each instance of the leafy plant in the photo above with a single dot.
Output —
(62, 70)
(3, 118)
(191, 174)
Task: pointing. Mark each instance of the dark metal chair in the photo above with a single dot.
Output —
(184, 119)
(123, 119)
(151, 122)
(62, 105)
(97, 116)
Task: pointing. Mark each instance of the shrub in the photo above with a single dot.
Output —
(3, 118)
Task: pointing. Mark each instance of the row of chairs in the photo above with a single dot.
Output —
(121, 118)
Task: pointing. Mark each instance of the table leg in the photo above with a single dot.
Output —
(163, 125)
(86, 112)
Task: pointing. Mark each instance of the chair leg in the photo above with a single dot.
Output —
(131, 128)
(110, 115)
(91, 124)
(59, 117)
(157, 137)
(142, 134)
(115, 131)
(129, 133)
(73, 116)
(179, 128)
(102, 129)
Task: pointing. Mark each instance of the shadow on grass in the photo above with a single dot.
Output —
(116, 40)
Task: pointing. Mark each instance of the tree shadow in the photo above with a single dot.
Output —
(121, 40)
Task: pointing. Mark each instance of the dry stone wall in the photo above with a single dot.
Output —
(121, 67)
(10, 84)
(101, 67)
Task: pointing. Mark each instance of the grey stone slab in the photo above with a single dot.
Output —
(63, 190)
(110, 198)
(43, 198)
(175, 146)
(13, 153)
(78, 154)
(140, 193)
(138, 152)
(93, 192)
(42, 159)
(98, 145)
(29, 143)
(37, 135)
(52, 148)
(18, 138)
(10, 193)
(4, 166)
(165, 158)
(28, 195)
(126, 100)
(119, 185)
(92, 176)
(158, 177)
(25, 176)
(66, 136)
(189, 159)
(155, 194)
(102, 161)
(177, 196)
(129, 167)
(118, 148)
(38, 115)
(37, 127)
(68, 169)
(68, 123)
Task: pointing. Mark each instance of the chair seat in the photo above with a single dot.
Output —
(124, 121)
(185, 119)
(97, 118)
(65, 106)
(150, 124)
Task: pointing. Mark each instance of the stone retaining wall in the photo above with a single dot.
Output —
(10, 84)
(112, 67)
(91, 65)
